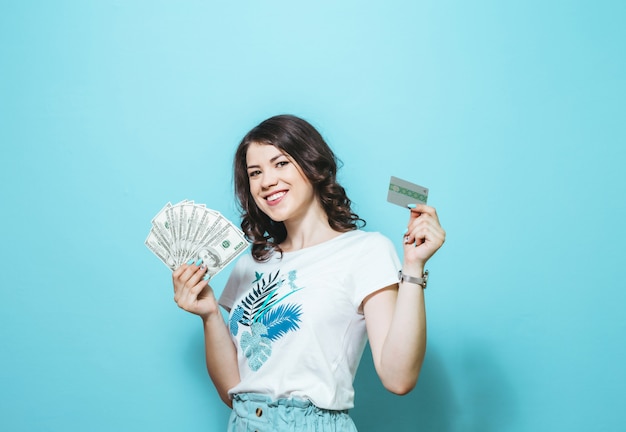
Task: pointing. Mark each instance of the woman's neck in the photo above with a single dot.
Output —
(307, 232)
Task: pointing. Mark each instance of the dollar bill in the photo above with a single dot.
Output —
(221, 248)
(160, 249)
(188, 231)
(162, 224)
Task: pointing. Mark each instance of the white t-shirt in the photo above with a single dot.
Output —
(296, 321)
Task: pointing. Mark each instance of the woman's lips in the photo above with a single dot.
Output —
(275, 198)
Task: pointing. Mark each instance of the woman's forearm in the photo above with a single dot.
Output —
(405, 345)
(221, 356)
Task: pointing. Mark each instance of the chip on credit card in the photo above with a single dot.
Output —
(403, 193)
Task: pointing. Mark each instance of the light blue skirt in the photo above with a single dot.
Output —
(258, 413)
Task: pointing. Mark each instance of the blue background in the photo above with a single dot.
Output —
(512, 113)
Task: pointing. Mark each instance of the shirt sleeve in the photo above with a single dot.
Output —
(375, 267)
(233, 285)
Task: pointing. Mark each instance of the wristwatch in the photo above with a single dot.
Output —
(423, 281)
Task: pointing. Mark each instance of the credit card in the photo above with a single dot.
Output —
(403, 193)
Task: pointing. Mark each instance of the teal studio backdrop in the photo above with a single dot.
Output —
(512, 113)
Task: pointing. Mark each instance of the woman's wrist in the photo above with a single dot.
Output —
(210, 317)
(415, 270)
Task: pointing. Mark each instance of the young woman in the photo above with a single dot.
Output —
(311, 292)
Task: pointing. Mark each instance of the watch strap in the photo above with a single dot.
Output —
(423, 281)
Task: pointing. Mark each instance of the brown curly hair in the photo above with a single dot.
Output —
(302, 142)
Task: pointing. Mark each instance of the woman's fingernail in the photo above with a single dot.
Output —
(412, 206)
(190, 262)
(199, 262)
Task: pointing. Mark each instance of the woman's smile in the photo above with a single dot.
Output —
(275, 197)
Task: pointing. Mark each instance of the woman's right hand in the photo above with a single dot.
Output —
(192, 293)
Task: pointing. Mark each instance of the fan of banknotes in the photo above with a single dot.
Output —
(188, 231)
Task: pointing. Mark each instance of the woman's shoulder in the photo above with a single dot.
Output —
(243, 262)
(368, 238)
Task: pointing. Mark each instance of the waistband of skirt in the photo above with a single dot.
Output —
(280, 402)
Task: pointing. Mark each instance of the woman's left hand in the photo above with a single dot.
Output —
(424, 236)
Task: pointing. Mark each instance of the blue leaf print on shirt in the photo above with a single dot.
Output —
(263, 310)
(281, 320)
(236, 316)
(256, 347)
(260, 297)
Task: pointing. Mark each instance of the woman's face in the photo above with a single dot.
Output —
(277, 184)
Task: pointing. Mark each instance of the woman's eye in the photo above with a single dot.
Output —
(282, 163)
(253, 173)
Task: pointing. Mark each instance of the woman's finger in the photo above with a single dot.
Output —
(190, 278)
(424, 221)
(424, 231)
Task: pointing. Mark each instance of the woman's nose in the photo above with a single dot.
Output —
(269, 179)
